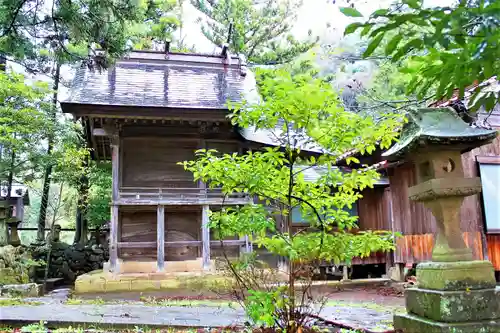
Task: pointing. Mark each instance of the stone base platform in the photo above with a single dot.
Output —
(415, 324)
(132, 266)
(454, 306)
(105, 282)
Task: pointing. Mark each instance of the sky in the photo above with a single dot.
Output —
(314, 15)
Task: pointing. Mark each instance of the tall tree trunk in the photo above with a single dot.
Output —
(4, 231)
(3, 63)
(42, 215)
(52, 230)
(81, 210)
(84, 221)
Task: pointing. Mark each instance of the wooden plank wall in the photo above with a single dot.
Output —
(152, 162)
(374, 214)
(417, 224)
(474, 202)
(373, 209)
(181, 224)
(494, 250)
(137, 226)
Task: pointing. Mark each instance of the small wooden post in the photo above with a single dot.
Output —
(20, 208)
(205, 237)
(113, 238)
(345, 272)
(115, 167)
(247, 247)
(160, 238)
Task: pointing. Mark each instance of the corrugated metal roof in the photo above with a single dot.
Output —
(272, 138)
(152, 79)
(312, 174)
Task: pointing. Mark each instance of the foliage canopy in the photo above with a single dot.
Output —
(303, 114)
(450, 48)
(260, 29)
(72, 30)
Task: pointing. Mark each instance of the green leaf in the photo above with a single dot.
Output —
(350, 12)
(351, 28)
(414, 4)
(366, 30)
(414, 43)
(379, 12)
(352, 159)
(393, 43)
(373, 45)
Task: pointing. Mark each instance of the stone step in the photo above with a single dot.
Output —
(52, 283)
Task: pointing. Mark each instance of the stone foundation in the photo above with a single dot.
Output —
(132, 266)
(454, 306)
(101, 282)
(452, 297)
(460, 275)
(416, 324)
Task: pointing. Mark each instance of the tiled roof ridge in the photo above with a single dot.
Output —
(231, 61)
(470, 89)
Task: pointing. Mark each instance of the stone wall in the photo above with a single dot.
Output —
(69, 261)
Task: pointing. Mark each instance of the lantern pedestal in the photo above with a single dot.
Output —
(455, 293)
(14, 239)
(416, 324)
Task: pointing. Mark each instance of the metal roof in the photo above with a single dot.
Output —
(173, 80)
(434, 126)
(272, 137)
(312, 174)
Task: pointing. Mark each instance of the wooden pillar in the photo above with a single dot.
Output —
(115, 164)
(247, 247)
(20, 209)
(160, 238)
(115, 167)
(205, 237)
(345, 272)
(113, 239)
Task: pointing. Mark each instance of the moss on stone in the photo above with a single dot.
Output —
(16, 302)
(408, 323)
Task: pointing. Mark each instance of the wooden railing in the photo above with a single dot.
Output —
(186, 196)
(213, 243)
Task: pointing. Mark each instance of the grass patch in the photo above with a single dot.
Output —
(151, 301)
(367, 305)
(17, 301)
(42, 328)
(79, 301)
(187, 302)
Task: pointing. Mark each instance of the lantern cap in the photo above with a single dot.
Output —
(438, 127)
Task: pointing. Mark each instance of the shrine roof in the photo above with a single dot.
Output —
(172, 80)
(437, 126)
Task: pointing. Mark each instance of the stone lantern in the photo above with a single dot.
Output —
(455, 292)
(4, 206)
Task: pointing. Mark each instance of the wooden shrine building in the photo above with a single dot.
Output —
(152, 110)
(148, 112)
